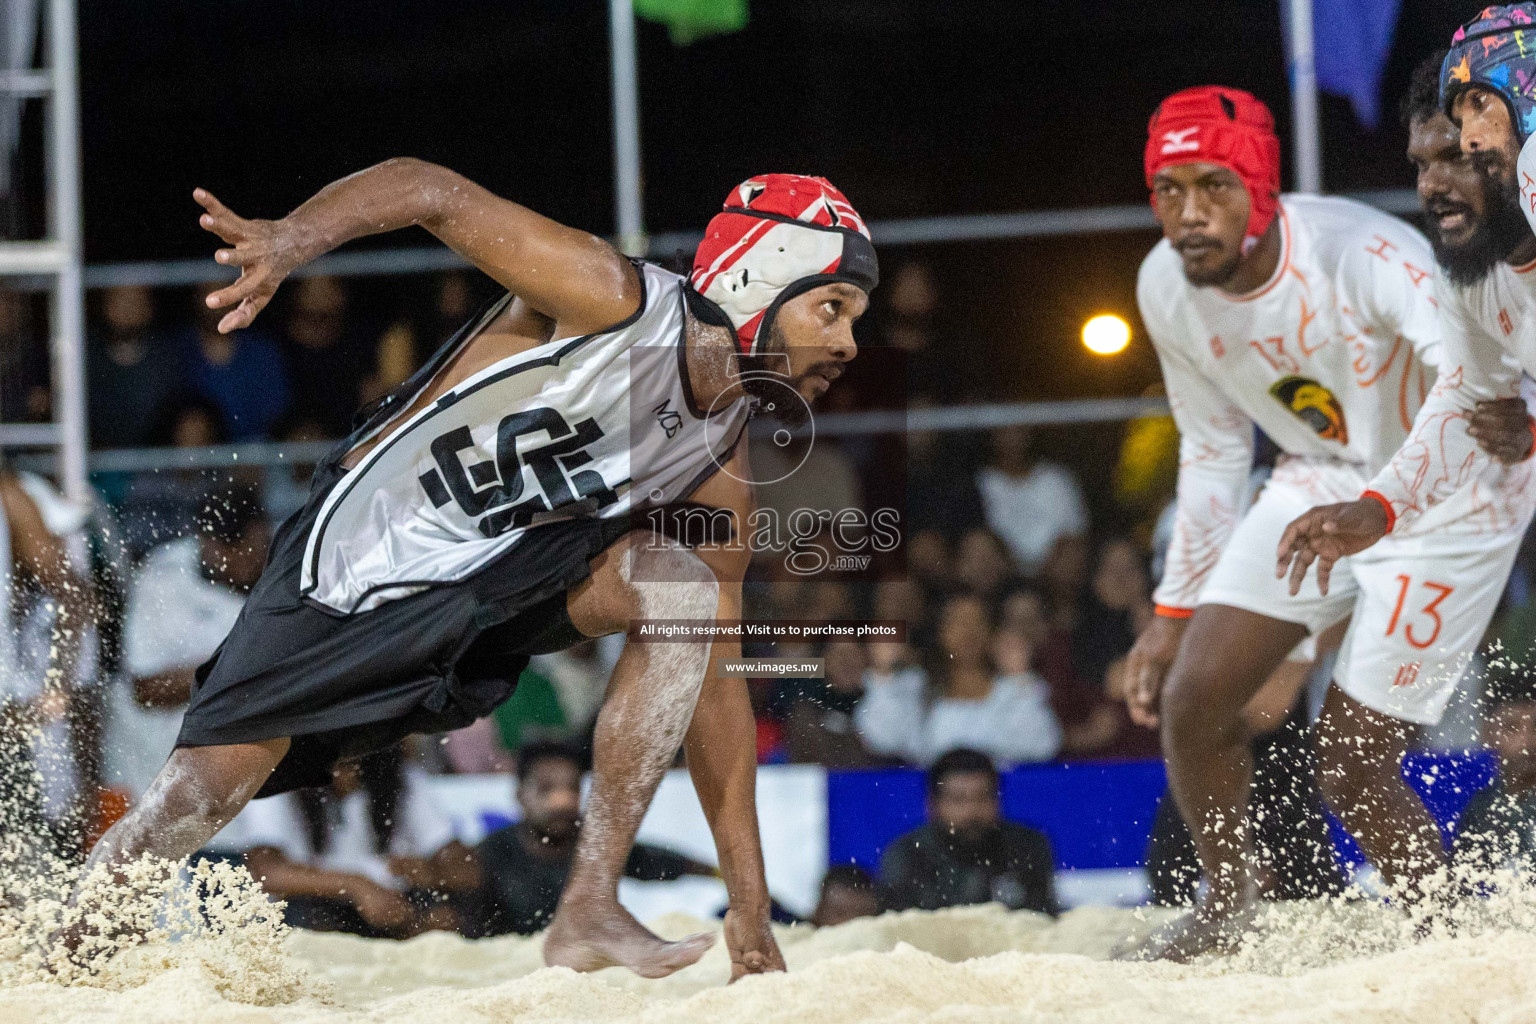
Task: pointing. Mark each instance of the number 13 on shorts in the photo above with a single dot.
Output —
(1427, 616)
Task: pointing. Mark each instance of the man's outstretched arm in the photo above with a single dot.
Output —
(573, 277)
(721, 747)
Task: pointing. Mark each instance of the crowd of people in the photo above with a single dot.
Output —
(1019, 608)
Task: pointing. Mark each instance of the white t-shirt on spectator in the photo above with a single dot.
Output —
(1030, 512)
(421, 829)
(175, 620)
(1013, 722)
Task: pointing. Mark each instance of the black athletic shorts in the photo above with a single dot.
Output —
(345, 685)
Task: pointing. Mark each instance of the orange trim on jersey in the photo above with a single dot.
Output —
(1285, 264)
(1386, 506)
(1526, 268)
(1169, 612)
(1531, 421)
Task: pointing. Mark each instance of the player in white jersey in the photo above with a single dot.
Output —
(1490, 317)
(483, 513)
(1312, 319)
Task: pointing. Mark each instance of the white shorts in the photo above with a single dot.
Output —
(1420, 603)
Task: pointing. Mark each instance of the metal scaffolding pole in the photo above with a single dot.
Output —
(1305, 135)
(57, 258)
(630, 221)
(68, 321)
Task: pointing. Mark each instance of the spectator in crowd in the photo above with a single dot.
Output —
(1498, 827)
(161, 506)
(327, 358)
(1006, 714)
(941, 483)
(524, 866)
(1064, 577)
(25, 396)
(133, 368)
(242, 372)
(928, 560)
(966, 853)
(983, 566)
(818, 713)
(1116, 605)
(847, 893)
(371, 854)
(1029, 504)
(800, 475)
(181, 604)
(36, 694)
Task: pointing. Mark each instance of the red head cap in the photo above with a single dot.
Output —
(1212, 124)
(779, 236)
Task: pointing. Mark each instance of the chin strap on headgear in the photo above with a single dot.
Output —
(1496, 50)
(1212, 124)
(779, 236)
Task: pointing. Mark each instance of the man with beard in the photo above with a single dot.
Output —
(966, 853)
(1488, 316)
(525, 866)
(485, 511)
(1312, 319)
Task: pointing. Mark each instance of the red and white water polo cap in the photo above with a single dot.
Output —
(779, 236)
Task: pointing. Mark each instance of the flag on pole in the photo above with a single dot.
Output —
(690, 20)
(1351, 41)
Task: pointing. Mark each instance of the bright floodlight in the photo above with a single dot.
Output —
(1106, 335)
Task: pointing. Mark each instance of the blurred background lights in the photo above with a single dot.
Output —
(1106, 335)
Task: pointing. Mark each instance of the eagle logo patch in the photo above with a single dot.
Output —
(1314, 405)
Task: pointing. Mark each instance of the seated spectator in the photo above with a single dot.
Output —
(132, 369)
(371, 854)
(159, 507)
(818, 713)
(1498, 828)
(928, 560)
(1115, 608)
(327, 357)
(1029, 504)
(181, 604)
(982, 565)
(1008, 715)
(847, 892)
(25, 396)
(242, 372)
(1064, 577)
(941, 483)
(966, 853)
(524, 866)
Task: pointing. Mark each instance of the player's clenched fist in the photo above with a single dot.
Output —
(1146, 667)
(1326, 534)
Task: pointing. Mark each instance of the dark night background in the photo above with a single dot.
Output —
(912, 107)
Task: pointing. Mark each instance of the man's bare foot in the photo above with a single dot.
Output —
(598, 935)
(1196, 933)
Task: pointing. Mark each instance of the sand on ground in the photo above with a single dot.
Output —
(973, 965)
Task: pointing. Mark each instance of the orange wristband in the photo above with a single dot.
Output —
(1169, 612)
(1386, 507)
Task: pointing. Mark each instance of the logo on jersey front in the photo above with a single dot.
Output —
(1181, 141)
(668, 419)
(1314, 405)
(493, 492)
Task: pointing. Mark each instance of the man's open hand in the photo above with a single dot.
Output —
(266, 251)
(1502, 428)
(1326, 534)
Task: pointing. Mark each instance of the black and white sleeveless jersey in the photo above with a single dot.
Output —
(595, 426)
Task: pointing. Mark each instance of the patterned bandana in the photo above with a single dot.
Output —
(780, 236)
(1496, 50)
(1212, 124)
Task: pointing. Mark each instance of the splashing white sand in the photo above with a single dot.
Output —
(974, 965)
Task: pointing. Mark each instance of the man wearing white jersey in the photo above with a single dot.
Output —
(1312, 319)
(483, 513)
(1490, 316)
